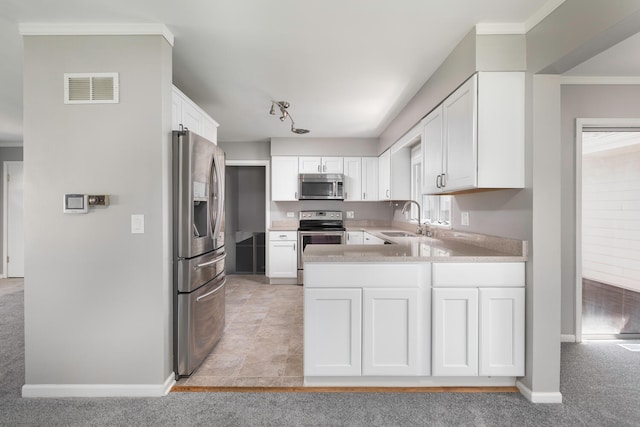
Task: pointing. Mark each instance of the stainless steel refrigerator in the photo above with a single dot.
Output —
(198, 249)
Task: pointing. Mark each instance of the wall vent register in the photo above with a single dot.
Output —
(91, 88)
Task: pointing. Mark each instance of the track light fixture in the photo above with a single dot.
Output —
(283, 105)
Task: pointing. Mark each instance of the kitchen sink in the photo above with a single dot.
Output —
(399, 234)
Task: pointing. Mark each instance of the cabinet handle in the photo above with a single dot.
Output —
(388, 193)
(318, 168)
(324, 168)
(438, 181)
(294, 247)
(346, 194)
(364, 196)
(295, 195)
(444, 180)
(282, 236)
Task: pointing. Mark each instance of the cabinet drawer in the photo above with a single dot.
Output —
(505, 274)
(283, 235)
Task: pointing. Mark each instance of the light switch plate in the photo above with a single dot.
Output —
(350, 214)
(137, 224)
(464, 218)
(291, 215)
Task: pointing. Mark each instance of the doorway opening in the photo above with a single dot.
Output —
(608, 233)
(245, 219)
(13, 244)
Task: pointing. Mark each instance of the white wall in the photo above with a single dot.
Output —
(97, 298)
(324, 146)
(611, 217)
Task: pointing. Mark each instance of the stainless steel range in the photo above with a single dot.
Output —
(318, 228)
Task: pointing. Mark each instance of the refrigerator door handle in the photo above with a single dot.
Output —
(219, 197)
(204, 264)
(213, 291)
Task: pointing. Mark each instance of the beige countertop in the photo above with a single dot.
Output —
(447, 246)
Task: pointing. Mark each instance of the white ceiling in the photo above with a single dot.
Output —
(346, 66)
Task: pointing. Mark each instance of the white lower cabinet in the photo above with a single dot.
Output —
(501, 332)
(390, 332)
(283, 255)
(355, 237)
(454, 332)
(332, 332)
(370, 239)
(478, 331)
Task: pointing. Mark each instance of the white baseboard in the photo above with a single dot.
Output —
(99, 390)
(539, 397)
(567, 338)
(3, 276)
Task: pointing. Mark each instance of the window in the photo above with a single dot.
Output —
(436, 210)
(416, 178)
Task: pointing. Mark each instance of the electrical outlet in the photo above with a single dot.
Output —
(350, 214)
(464, 218)
(291, 215)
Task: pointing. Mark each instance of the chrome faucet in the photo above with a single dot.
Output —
(404, 209)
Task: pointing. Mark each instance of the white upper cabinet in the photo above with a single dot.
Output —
(475, 139)
(185, 112)
(369, 178)
(384, 176)
(320, 164)
(352, 179)
(432, 141)
(284, 178)
(360, 178)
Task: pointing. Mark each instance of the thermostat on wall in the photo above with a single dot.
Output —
(75, 203)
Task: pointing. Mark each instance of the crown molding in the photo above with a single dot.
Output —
(600, 80)
(95, 29)
(519, 27)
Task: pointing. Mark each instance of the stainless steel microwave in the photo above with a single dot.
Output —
(321, 186)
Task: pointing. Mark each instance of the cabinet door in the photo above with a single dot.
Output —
(176, 110)
(355, 237)
(369, 178)
(390, 332)
(352, 178)
(432, 151)
(332, 332)
(459, 112)
(284, 178)
(310, 164)
(501, 331)
(370, 239)
(455, 332)
(384, 176)
(210, 129)
(332, 165)
(283, 259)
(191, 117)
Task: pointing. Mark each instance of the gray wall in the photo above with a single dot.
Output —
(259, 150)
(374, 211)
(324, 146)
(579, 101)
(7, 154)
(97, 298)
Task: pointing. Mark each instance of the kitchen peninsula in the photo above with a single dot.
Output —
(441, 311)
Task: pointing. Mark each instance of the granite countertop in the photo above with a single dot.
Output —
(446, 246)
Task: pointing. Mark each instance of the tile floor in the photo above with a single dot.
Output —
(262, 341)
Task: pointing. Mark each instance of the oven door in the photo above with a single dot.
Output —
(317, 238)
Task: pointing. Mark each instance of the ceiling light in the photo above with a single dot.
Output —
(283, 105)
